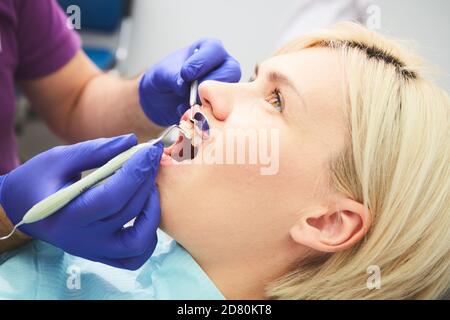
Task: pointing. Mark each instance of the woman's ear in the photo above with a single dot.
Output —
(332, 229)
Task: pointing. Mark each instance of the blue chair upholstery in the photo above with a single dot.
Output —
(103, 58)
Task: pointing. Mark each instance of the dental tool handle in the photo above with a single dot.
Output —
(193, 92)
(60, 199)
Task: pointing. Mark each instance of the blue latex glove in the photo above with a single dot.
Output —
(164, 89)
(91, 226)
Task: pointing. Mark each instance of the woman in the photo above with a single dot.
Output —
(362, 184)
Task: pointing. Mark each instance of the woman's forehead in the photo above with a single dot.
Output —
(319, 61)
(315, 72)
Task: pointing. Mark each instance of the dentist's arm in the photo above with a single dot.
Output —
(79, 102)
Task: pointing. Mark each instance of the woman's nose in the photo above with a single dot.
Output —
(218, 96)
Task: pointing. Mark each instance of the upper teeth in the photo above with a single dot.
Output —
(188, 128)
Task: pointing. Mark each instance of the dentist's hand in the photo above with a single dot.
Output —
(164, 89)
(91, 226)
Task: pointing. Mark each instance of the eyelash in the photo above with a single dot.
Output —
(276, 100)
(275, 97)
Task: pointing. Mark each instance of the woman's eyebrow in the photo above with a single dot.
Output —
(278, 77)
(275, 76)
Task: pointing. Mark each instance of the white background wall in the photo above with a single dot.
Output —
(248, 28)
(251, 29)
(427, 24)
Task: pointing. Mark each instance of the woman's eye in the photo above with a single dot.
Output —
(276, 100)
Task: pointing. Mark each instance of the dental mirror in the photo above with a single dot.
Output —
(201, 125)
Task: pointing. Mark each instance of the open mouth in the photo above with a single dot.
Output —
(183, 148)
(186, 147)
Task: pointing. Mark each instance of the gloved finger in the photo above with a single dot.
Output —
(109, 198)
(182, 108)
(165, 114)
(229, 71)
(132, 208)
(133, 263)
(209, 56)
(165, 81)
(72, 160)
(134, 241)
(138, 238)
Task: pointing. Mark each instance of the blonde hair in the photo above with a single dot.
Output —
(397, 164)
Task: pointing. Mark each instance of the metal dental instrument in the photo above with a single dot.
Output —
(193, 95)
(61, 198)
(198, 119)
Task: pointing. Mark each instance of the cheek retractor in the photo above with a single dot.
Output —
(60, 199)
(198, 128)
(201, 127)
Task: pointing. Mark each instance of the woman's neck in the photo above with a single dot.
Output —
(237, 282)
(245, 278)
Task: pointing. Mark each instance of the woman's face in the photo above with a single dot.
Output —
(292, 117)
